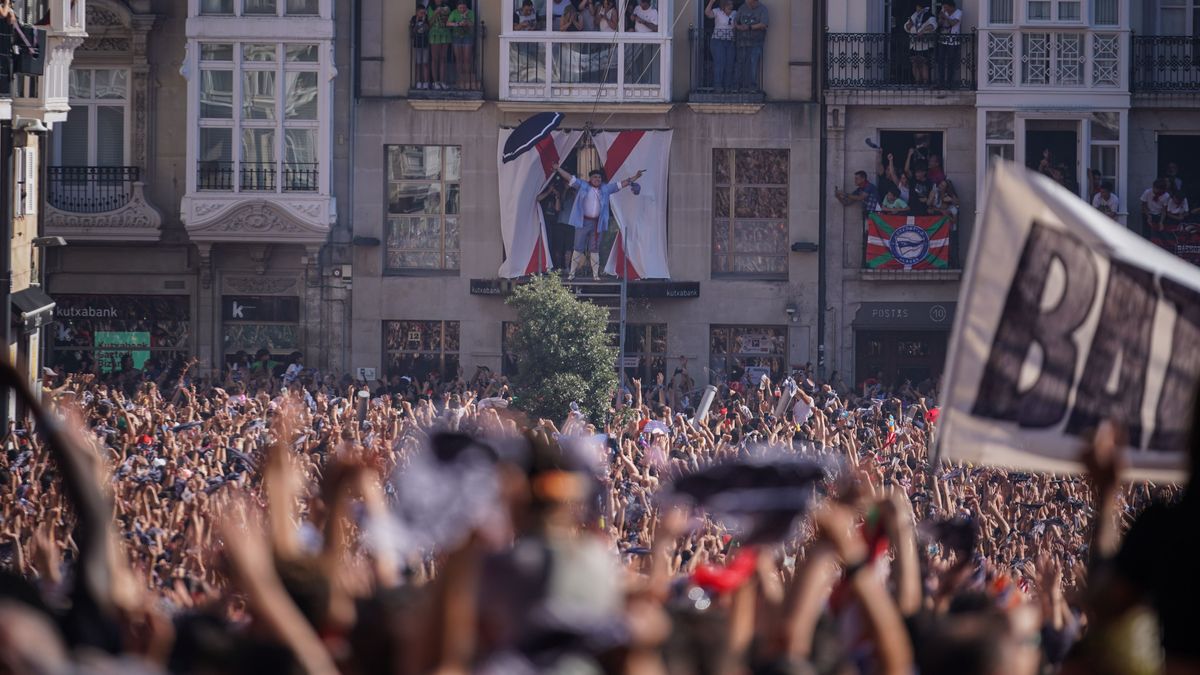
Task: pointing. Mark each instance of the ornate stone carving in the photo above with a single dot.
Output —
(99, 16)
(105, 44)
(245, 219)
(135, 221)
(260, 285)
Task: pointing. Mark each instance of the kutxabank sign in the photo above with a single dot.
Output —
(1065, 319)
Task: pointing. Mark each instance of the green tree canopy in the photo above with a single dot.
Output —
(562, 352)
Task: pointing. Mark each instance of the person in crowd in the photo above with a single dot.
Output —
(1175, 182)
(590, 215)
(526, 18)
(937, 173)
(1106, 201)
(462, 28)
(418, 34)
(570, 21)
(645, 17)
(724, 55)
(864, 193)
(922, 190)
(1154, 205)
(439, 42)
(587, 15)
(1046, 163)
(607, 17)
(892, 204)
(1178, 216)
(949, 45)
(753, 20)
(557, 9)
(922, 28)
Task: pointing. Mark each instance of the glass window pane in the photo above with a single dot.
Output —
(1068, 11)
(1000, 125)
(301, 103)
(760, 202)
(761, 167)
(527, 63)
(415, 198)
(216, 145)
(216, 51)
(302, 7)
(216, 6)
(418, 162)
(1038, 10)
(258, 146)
(72, 137)
(453, 162)
(258, 95)
(1105, 12)
(258, 52)
(301, 146)
(216, 94)
(642, 64)
(112, 84)
(302, 53)
(1106, 126)
(81, 83)
(1001, 11)
(258, 7)
(110, 136)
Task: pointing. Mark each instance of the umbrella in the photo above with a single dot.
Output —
(529, 133)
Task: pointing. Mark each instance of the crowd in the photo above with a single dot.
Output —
(442, 36)
(271, 519)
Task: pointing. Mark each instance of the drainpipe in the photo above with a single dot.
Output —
(818, 93)
(6, 229)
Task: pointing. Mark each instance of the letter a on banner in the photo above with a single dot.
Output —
(1066, 319)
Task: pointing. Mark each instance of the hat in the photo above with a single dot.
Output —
(637, 189)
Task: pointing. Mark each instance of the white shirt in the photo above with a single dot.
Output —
(1112, 203)
(650, 15)
(591, 204)
(1178, 210)
(560, 6)
(723, 24)
(607, 19)
(1154, 206)
(801, 411)
(956, 14)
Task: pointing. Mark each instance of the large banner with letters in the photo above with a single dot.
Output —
(1066, 318)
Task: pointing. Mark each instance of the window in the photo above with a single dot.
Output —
(750, 212)
(508, 360)
(99, 331)
(1105, 12)
(423, 207)
(1179, 17)
(1001, 11)
(94, 133)
(419, 348)
(260, 7)
(1052, 58)
(1105, 140)
(258, 117)
(1000, 135)
(254, 322)
(1049, 10)
(747, 351)
(622, 21)
(646, 342)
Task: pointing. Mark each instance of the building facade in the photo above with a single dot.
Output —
(1087, 91)
(195, 180)
(742, 183)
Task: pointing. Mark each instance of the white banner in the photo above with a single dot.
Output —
(640, 251)
(1066, 318)
(526, 244)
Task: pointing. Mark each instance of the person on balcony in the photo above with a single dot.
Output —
(557, 9)
(439, 41)
(1106, 201)
(921, 26)
(418, 32)
(589, 215)
(462, 34)
(645, 18)
(949, 47)
(721, 45)
(607, 16)
(1154, 206)
(570, 21)
(893, 204)
(587, 15)
(752, 21)
(527, 18)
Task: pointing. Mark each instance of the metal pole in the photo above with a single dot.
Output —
(6, 228)
(621, 328)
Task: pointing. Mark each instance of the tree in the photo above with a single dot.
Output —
(562, 352)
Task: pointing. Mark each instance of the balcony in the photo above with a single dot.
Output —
(257, 176)
(99, 203)
(724, 74)
(45, 97)
(591, 67)
(881, 62)
(1165, 67)
(1075, 59)
(441, 77)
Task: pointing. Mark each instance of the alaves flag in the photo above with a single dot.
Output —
(908, 242)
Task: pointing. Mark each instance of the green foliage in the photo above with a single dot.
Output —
(562, 352)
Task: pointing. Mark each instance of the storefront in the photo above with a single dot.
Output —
(898, 341)
(251, 323)
(97, 332)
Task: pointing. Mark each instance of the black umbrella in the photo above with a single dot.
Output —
(529, 133)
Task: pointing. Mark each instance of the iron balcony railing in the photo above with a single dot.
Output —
(90, 189)
(897, 61)
(1166, 64)
(258, 176)
(438, 71)
(725, 71)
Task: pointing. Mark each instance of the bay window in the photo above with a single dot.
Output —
(271, 112)
(260, 7)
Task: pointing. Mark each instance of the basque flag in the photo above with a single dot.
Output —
(896, 242)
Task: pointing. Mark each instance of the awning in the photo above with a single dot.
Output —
(32, 308)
